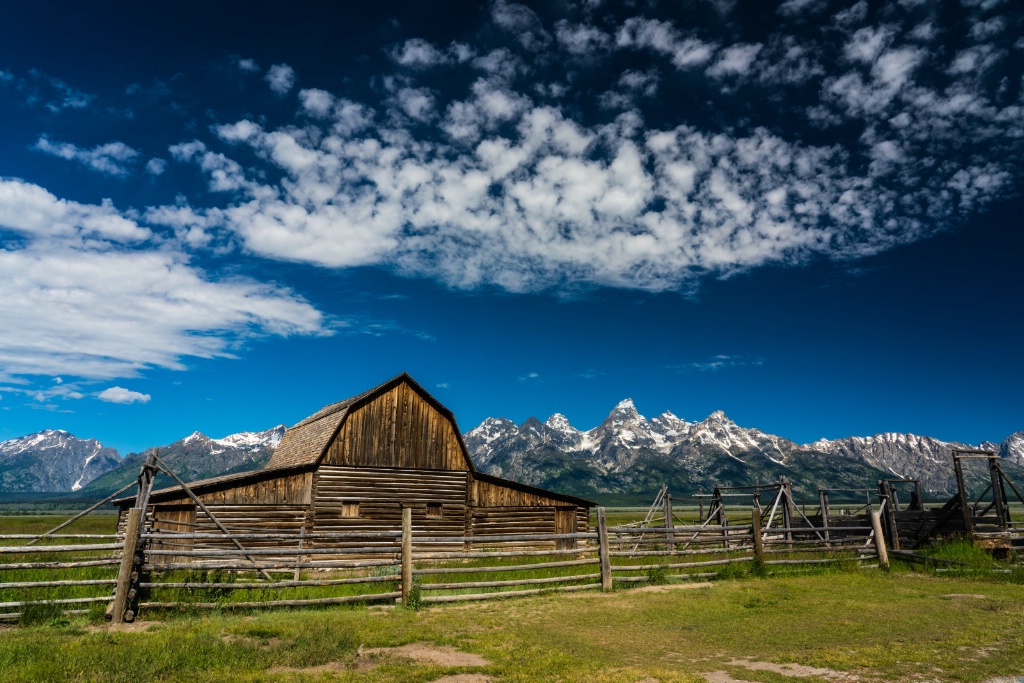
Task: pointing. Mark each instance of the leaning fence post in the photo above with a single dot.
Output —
(406, 554)
(755, 519)
(124, 576)
(602, 550)
(876, 527)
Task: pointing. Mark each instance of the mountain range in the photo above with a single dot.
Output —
(629, 454)
(626, 455)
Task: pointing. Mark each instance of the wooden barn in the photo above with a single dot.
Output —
(353, 466)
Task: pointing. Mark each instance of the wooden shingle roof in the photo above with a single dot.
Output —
(308, 440)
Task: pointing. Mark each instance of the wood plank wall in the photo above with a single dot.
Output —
(292, 489)
(486, 494)
(170, 519)
(381, 493)
(397, 429)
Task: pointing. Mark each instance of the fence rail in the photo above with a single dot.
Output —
(245, 569)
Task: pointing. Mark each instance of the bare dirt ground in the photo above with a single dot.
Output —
(423, 653)
(792, 670)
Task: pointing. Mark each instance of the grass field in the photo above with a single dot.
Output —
(824, 625)
(845, 625)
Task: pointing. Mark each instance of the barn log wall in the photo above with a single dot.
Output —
(382, 492)
(399, 428)
(285, 489)
(172, 519)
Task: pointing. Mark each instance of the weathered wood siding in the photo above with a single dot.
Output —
(399, 428)
(487, 494)
(292, 489)
(172, 519)
(380, 495)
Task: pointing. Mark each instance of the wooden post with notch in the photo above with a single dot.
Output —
(965, 501)
(406, 554)
(602, 551)
(823, 511)
(888, 497)
(670, 539)
(755, 519)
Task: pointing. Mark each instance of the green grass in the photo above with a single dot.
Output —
(878, 626)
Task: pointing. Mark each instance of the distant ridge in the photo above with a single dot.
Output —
(629, 454)
(626, 455)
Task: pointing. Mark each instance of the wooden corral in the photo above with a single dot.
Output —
(984, 519)
(353, 466)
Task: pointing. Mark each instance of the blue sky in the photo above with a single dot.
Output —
(222, 216)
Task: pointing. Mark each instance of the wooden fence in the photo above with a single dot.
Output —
(196, 570)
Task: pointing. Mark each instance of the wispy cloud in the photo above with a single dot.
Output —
(90, 293)
(718, 362)
(40, 89)
(112, 158)
(529, 377)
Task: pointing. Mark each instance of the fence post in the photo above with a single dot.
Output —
(755, 520)
(823, 510)
(670, 539)
(602, 550)
(406, 554)
(132, 532)
(876, 526)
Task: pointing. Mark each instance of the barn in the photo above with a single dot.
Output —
(354, 465)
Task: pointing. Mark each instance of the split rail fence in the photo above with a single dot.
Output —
(143, 569)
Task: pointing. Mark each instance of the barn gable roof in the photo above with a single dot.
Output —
(307, 441)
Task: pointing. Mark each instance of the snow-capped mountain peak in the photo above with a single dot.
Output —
(52, 460)
(560, 423)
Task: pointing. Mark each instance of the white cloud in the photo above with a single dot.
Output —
(281, 78)
(76, 301)
(31, 210)
(418, 53)
(734, 61)
(522, 22)
(246, 65)
(112, 158)
(581, 39)
(156, 166)
(664, 38)
(122, 395)
(719, 362)
(507, 171)
(796, 8)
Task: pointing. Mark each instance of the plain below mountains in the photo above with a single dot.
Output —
(626, 457)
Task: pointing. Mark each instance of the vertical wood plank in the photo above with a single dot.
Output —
(124, 574)
(602, 549)
(755, 519)
(406, 554)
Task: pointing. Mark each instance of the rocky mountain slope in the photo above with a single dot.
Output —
(56, 461)
(197, 456)
(52, 460)
(627, 453)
